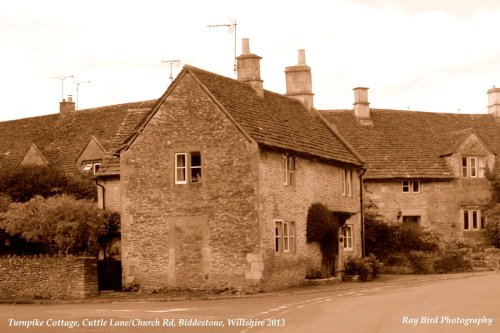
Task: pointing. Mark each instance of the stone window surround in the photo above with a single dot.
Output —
(285, 236)
(188, 168)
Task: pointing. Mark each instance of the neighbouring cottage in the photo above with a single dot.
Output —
(217, 180)
(423, 167)
(71, 141)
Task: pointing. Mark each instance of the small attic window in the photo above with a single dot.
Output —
(91, 167)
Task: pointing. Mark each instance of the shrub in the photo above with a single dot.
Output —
(26, 182)
(61, 224)
(383, 238)
(420, 262)
(452, 262)
(367, 268)
(322, 227)
(493, 225)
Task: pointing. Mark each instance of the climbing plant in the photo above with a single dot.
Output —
(322, 227)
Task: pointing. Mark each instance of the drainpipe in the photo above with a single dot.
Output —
(362, 211)
(103, 192)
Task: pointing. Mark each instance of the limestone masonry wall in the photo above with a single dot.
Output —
(315, 182)
(194, 235)
(47, 277)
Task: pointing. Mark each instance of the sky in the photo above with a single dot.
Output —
(424, 55)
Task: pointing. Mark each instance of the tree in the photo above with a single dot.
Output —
(62, 224)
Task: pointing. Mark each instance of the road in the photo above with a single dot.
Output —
(435, 306)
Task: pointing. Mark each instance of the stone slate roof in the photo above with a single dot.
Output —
(61, 140)
(274, 120)
(411, 144)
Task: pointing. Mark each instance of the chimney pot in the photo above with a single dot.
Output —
(302, 57)
(245, 46)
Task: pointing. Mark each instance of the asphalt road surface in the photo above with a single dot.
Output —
(470, 304)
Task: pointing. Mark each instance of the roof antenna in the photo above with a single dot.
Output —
(77, 88)
(62, 78)
(172, 62)
(232, 28)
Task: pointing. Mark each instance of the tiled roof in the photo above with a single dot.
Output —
(272, 120)
(411, 144)
(61, 140)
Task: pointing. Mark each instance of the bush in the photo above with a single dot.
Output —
(493, 225)
(452, 262)
(420, 262)
(61, 224)
(367, 268)
(322, 227)
(25, 182)
(382, 238)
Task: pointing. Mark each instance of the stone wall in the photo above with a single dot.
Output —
(315, 182)
(194, 235)
(24, 277)
(111, 198)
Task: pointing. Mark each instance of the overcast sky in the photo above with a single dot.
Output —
(427, 55)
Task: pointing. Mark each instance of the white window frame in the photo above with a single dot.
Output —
(91, 167)
(408, 186)
(288, 170)
(473, 215)
(348, 233)
(188, 168)
(284, 236)
(474, 167)
(184, 167)
(347, 188)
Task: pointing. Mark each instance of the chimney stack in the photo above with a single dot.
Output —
(248, 68)
(66, 107)
(299, 82)
(494, 101)
(361, 104)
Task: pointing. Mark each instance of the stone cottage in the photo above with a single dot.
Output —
(217, 180)
(423, 167)
(71, 140)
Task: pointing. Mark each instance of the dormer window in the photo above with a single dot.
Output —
(91, 167)
(473, 167)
